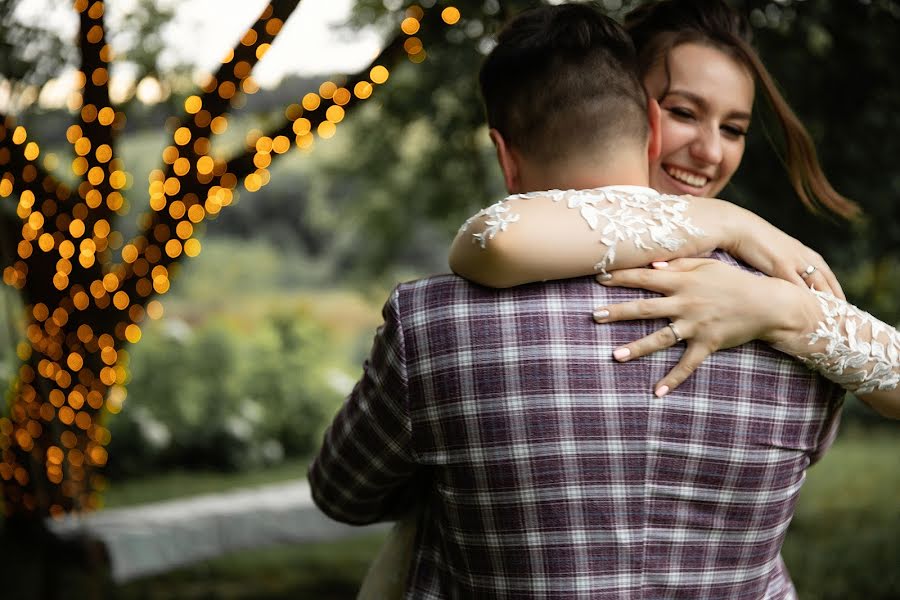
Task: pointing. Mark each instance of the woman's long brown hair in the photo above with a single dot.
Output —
(658, 27)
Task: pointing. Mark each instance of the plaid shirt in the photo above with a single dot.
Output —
(546, 470)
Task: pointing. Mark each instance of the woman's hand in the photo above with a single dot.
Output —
(763, 246)
(711, 305)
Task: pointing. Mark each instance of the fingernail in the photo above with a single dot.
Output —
(599, 315)
(621, 353)
(660, 264)
(604, 277)
(662, 391)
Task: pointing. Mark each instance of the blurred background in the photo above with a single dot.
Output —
(242, 361)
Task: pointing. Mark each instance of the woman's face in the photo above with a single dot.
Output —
(705, 116)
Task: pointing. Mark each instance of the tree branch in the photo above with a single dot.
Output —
(242, 164)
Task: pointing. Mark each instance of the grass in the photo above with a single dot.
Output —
(844, 542)
(324, 571)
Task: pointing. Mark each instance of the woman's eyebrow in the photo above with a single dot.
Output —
(704, 105)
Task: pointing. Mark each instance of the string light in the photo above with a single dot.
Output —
(84, 369)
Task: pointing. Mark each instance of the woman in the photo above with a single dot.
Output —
(696, 61)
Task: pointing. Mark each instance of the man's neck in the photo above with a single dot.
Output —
(581, 176)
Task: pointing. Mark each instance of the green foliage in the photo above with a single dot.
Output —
(842, 542)
(222, 397)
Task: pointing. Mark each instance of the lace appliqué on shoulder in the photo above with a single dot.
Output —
(644, 218)
(862, 353)
(498, 220)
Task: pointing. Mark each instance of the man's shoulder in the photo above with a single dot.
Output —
(448, 287)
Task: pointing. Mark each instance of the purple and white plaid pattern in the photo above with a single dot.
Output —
(546, 470)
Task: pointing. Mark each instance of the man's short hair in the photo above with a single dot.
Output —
(562, 81)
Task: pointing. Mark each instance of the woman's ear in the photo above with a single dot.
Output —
(508, 162)
(654, 116)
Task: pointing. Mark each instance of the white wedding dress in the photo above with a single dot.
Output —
(386, 577)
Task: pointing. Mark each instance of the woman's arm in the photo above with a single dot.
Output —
(560, 234)
(832, 337)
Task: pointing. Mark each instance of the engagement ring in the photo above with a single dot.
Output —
(678, 337)
(809, 271)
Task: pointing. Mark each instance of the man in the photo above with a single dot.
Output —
(541, 469)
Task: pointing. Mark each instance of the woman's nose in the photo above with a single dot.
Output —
(708, 146)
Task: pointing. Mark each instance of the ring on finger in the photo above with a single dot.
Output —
(678, 337)
(809, 270)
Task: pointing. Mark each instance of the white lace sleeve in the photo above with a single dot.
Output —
(853, 348)
(644, 217)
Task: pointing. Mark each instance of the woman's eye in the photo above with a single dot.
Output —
(733, 131)
(680, 112)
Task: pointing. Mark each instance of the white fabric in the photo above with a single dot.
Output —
(861, 353)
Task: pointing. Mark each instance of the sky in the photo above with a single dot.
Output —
(312, 43)
(309, 44)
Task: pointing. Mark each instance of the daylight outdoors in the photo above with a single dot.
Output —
(196, 248)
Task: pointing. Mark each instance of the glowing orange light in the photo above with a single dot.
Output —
(326, 130)
(100, 76)
(450, 15)
(341, 96)
(413, 45)
(409, 26)
(76, 228)
(181, 166)
(219, 125)
(177, 209)
(362, 90)
(252, 182)
(184, 230)
(19, 135)
(302, 126)
(106, 116)
(327, 89)
(182, 136)
(274, 26)
(311, 101)
(205, 165)
(379, 74)
(249, 38)
(335, 114)
(104, 153)
(32, 151)
(45, 242)
(196, 213)
(133, 333)
(121, 300)
(75, 361)
(193, 104)
(96, 175)
(82, 146)
(81, 301)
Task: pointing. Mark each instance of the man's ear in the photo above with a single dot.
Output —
(654, 118)
(508, 163)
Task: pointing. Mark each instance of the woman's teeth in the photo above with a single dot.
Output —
(686, 177)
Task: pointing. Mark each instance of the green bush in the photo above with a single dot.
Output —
(224, 396)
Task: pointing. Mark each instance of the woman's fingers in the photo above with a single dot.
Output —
(649, 279)
(692, 358)
(834, 285)
(683, 264)
(645, 308)
(658, 340)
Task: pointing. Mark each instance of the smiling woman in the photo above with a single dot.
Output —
(706, 99)
(695, 61)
